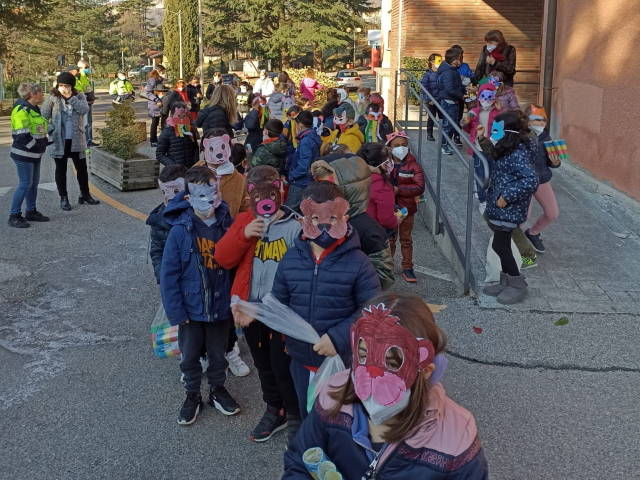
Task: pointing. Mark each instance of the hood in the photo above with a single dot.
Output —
(177, 212)
(332, 157)
(310, 132)
(353, 177)
(351, 243)
(156, 218)
(278, 147)
(355, 131)
(276, 97)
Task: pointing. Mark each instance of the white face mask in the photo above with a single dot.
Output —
(122, 77)
(491, 48)
(537, 129)
(381, 413)
(400, 152)
(487, 104)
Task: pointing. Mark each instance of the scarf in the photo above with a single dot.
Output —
(371, 131)
(497, 53)
(181, 126)
(293, 129)
(263, 114)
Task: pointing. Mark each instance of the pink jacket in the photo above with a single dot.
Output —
(382, 202)
(308, 87)
(472, 127)
(508, 99)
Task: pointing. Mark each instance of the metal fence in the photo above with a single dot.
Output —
(410, 80)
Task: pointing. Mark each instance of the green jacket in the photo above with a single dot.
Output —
(84, 85)
(120, 87)
(28, 131)
(273, 153)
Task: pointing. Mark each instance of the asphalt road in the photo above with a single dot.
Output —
(83, 397)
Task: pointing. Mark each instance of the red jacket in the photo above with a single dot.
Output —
(382, 202)
(235, 250)
(408, 176)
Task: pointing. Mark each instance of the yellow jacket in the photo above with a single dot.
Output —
(352, 137)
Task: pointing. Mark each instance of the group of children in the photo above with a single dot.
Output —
(514, 143)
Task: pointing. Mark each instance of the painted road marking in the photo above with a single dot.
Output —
(51, 186)
(5, 190)
(100, 195)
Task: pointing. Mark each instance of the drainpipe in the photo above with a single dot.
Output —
(549, 57)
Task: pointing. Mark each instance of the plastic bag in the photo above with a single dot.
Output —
(278, 317)
(493, 266)
(164, 336)
(330, 366)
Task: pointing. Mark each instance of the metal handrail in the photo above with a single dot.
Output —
(441, 219)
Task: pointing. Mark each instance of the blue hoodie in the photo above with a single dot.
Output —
(185, 285)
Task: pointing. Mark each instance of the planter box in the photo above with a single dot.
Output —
(133, 174)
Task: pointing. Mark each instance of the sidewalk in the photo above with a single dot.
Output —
(592, 262)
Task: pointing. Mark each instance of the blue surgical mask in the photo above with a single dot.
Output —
(86, 71)
(204, 199)
(324, 240)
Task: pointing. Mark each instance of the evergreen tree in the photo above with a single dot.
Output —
(170, 28)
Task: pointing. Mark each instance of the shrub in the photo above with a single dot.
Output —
(121, 135)
(419, 66)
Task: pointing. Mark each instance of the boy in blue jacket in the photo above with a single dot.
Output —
(307, 151)
(196, 290)
(325, 278)
(450, 92)
(430, 83)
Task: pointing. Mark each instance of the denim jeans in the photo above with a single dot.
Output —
(452, 111)
(479, 169)
(28, 179)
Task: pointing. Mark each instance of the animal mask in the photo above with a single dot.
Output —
(171, 188)
(343, 115)
(498, 132)
(538, 113)
(487, 95)
(217, 150)
(386, 360)
(495, 81)
(342, 94)
(327, 217)
(204, 198)
(265, 198)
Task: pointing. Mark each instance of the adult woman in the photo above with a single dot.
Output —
(388, 417)
(29, 132)
(178, 94)
(153, 92)
(497, 55)
(285, 79)
(221, 111)
(65, 109)
(194, 92)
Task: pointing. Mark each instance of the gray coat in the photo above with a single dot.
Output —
(51, 110)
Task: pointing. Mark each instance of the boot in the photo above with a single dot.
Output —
(16, 220)
(495, 290)
(88, 199)
(64, 203)
(515, 292)
(430, 137)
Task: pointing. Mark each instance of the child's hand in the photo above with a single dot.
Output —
(254, 229)
(240, 319)
(480, 131)
(325, 346)
(501, 203)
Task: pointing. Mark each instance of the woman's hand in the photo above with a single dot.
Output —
(491, 60)
(65, 91)
(501, 203)
(325, 346)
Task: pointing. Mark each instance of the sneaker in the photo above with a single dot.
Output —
(529, 262)
(18, 221)
(221, 399)
(409, 276)
(536, 241)
(271, 423)
(36, 216)
(430, 137)
(446, 151)
(190, 408)
(154, 144)
(236, 364)
(457, 141)
(482, 206)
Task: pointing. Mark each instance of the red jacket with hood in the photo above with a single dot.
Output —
(408, 176)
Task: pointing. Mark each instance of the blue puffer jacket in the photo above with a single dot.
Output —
(513, 177)
(449, 83)
(307, 152)
(328, 295)
(184, 284)
(430, 83)
(542, 165)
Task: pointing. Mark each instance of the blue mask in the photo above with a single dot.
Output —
(87, 71)
(324, 240)
(498, 132)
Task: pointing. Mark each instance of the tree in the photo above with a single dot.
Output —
(170, 28)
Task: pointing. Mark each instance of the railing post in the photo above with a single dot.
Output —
(467, 241)
(438, 228)
(406, 103)
(420, 129)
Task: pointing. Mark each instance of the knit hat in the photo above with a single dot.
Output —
(66, 78)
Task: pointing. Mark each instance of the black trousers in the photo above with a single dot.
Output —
(82, 173)
(502, 246)
(272, 362)
(433, 112)
(196, 337)
(232, 338)
(153, 131)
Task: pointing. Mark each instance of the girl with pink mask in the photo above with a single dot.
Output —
(388, 417)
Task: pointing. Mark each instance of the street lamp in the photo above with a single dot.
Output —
(355, 31)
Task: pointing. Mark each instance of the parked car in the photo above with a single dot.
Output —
(231, 79)
(349, 79)
(135, 71)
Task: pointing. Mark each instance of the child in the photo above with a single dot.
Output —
(430, 83)
(389, 416)
(171, 183)
(178, 143)
(254, 122)
(408, 182)
(544, 195)
(255, 245)
(325, 279)
(309, 86)
(363, 101)
(276, 102)
(196, 290)
(481, 116)
(290, 131)
(375, 125)
(346, 131)
(382, 197)
(308, 150)
(505, 95)
(450, 93)
(512, 184)
(274, 148)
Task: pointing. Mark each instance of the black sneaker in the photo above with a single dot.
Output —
(430, 137)
(536, 241)
(271, 423)
(18, 221)
(409, 276)
(222, 400)
(36, 216)
(190, 408)
(457, 141)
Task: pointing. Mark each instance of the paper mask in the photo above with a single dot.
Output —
(498, 132)
(204, 198)
(171, 188)
(487, 95)
(327, 217)
(217, 150)
(343, 114)
(265, 198)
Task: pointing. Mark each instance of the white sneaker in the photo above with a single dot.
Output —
(482, 206)
(236, 364)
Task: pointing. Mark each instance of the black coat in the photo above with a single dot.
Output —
(213, 117)
(252, 124)
(159, 233)
(174, 150)
(193, 92)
